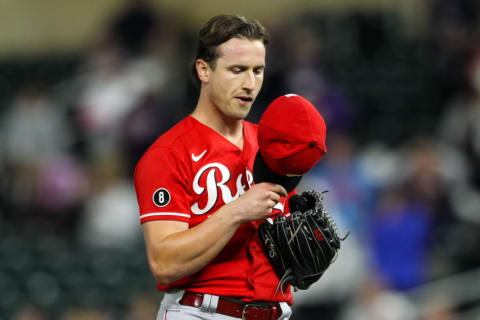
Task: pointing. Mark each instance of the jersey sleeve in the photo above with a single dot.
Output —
(161, 186)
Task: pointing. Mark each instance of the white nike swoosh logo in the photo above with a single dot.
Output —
(196, 158)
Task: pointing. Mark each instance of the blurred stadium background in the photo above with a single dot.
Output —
(86, 86)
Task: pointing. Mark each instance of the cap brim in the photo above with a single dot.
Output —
(262, 173)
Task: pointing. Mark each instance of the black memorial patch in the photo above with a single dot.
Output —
(161, 197)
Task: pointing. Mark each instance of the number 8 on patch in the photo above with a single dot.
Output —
(161, 197)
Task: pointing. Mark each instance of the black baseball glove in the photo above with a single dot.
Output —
(301, 247)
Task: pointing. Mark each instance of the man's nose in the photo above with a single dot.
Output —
(249, 81)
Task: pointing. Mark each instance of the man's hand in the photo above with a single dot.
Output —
(257, 202)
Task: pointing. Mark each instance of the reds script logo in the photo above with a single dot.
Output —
(213, 186)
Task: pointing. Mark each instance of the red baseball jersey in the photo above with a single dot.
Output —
(186, 175)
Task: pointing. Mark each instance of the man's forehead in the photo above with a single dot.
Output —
(242, 50)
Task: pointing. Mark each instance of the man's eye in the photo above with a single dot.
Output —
(236, 70)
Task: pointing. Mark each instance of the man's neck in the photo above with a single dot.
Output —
(231, 129)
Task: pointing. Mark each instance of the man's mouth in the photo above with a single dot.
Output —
(245, 98)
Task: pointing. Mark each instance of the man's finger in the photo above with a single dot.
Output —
(279, 190)
(274, 196)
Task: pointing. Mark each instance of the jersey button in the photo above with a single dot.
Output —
(237, 152)
(254, 248)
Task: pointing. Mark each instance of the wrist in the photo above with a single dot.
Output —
(233, 213)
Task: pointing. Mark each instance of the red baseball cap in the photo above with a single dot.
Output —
(291, 139)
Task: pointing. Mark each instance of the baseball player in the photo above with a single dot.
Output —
(199, 206)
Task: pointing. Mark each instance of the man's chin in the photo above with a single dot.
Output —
(240, 114)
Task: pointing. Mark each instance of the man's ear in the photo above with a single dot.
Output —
(203, 70)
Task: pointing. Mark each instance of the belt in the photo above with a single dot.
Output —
(242, 310)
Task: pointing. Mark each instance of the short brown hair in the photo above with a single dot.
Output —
(220, 29)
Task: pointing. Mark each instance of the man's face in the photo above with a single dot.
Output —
(237, 78)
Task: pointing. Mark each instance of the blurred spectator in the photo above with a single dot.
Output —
(400, 231)
(110, 218)
(110, 90)
(132, 67)
(34, 130)
(459, 125)
(427, 177)
(459, 131)
(414, 215)
(417, 189)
